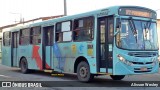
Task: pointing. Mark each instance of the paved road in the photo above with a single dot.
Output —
(14, 74)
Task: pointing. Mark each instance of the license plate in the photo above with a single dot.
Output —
(143, 69)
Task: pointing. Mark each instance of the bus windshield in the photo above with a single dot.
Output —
(137, 35)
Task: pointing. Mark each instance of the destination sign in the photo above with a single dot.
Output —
(140, 12)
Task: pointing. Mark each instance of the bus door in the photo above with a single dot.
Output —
(14, 49)
(105, 43)
(47, 46)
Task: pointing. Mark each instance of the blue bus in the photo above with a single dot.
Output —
(115, 41)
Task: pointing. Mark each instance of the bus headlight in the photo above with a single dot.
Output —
(122, 59)
(154, 60)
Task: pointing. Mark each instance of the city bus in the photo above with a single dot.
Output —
(115, 41)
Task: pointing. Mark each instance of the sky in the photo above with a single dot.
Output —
(12, 10)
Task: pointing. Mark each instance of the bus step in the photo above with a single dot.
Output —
(103, 73)
(48, 71)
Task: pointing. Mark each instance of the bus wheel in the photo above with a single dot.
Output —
(24, 66)
(117, 77)
(83, 72)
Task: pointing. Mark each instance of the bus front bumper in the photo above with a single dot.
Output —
(123, 69)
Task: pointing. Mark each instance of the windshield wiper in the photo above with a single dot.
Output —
(133, 28)
(147, 28)
(143, 36)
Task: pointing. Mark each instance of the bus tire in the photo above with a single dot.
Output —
(24, 66)
(117, 77)
(83, 72)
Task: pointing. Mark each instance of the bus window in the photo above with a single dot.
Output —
(49, 35)
(102, 38)
(35, 35)
(7, 38)
(110, 28)
(24, 36)
(58, 33)
(63, 31)
(83, 29)
(102, 28)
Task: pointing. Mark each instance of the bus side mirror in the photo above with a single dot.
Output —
(116, 33)
(118, 27)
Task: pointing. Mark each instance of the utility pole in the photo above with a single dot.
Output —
(65, 8)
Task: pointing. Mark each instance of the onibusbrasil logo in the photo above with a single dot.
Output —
(21, 84)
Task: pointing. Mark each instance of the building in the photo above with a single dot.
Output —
(25, 22)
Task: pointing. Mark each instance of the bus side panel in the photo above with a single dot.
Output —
(31, 60)
(23, 52)
(33, 54)
(62, 57)
(48, 56)
(15, 55)
(6, 56)
(29, 52)
(36, 57)
(65, 55)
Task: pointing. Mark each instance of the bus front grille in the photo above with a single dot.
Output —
(142, 54)
(142, 63)
(140, 70)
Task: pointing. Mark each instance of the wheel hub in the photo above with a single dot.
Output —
(83, 72)
(23, 66)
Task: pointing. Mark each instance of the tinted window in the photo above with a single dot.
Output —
(24, 36)
(35, 35)
(83, 29)
(63, 31)
(7, 38)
